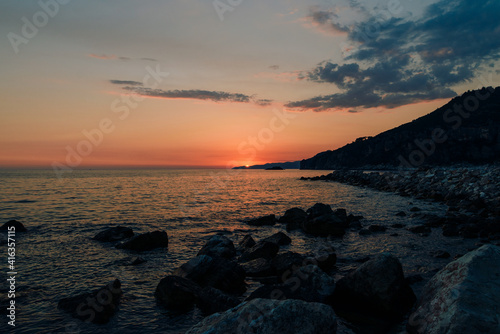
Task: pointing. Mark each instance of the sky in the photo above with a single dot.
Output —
(219, 83)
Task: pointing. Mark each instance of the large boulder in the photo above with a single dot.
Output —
(308, 283)
(258, 268)
(116, 233)
(181, 294)
(325, 225)
(464, 297)
(263, 249)
(293, 218)
(318, 209)
(266, 316)
(146, 241)
(285, 264)
(280, 238)
(177, 293)
(376, 288)
(268, 220)
(18, 226)
(97, 306)
(218, 246)
(216, 272)
(246, 242)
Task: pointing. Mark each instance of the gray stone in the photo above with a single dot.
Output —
(218, 246)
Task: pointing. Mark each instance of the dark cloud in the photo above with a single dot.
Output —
(394, 61)
(126, 82)
(195, 94)
(327, 18)
(274, 67)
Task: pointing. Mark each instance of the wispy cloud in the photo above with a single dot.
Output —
(115, 57)
(194, 94)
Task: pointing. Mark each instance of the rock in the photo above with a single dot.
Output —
(286, 263)
(377, 228)
(263, 249)
(130, 261)
(463, 297)
(211, 300)
(353, 219)
(376, 288)
(266, 316)
(268, 220)
(146, 241)
(450, 230)
(293, 218)
(365, 231)
(319, 209)
(180, 294)
(116, 233)
(440, 254)
(97, 306)
(401, 214)
(414, 279)
(280, 238)
(247, 242)
(218, 246)
(419, 229)
(328, 224)
(308, 283)
(415, 209)
(177, 293)
(397, 225)
(324, 256)
(18, 226)
(219, 273)
(355, 225)
(258, 268)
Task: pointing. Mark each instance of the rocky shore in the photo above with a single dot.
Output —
(472, 194)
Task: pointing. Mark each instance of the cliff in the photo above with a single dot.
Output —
(465, 130)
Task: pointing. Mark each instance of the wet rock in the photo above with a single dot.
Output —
(376, 288)
(131, 261)
(365, 231)
(441, 254)
(286, 263)
(258, 268)
(218, 246)
(324, 256)
(401, 214)
(266, 316)
(247, 242)
(469, 231)
(219, 273)
(18, 226)
(419, 229)
(397, 225)
(450, 230)
(97, 306)
(116, 233)
(351, 219)
(263, 249)
(293, 218)
(177, 293)
(377, 228)
(415, 209)
(463, 297)
(145, 242)
(180, 295)
(319, 209)
(412, 279)
(325, 225)
(280, 238)
(268, 220)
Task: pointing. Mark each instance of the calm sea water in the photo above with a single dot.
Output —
(57, 258)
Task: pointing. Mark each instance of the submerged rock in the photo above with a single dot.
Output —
(18, 226)
(97, 306)
(218, 246)
(463, 297)
(220, 273)
(266, 316)
(116, 233)
(376, 288)
(146, 241)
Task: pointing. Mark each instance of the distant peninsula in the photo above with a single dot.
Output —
(466, 130)
(283, 165)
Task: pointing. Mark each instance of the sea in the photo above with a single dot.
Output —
(57, 257)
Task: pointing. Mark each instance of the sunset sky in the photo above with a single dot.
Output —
(216, 83)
